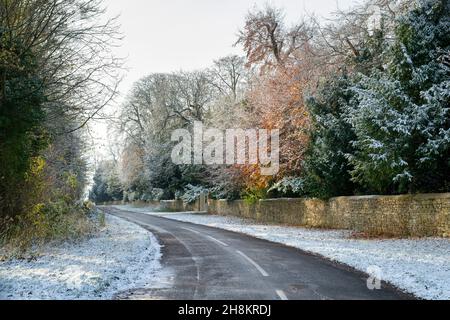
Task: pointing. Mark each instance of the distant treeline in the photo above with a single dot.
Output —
(362, 104)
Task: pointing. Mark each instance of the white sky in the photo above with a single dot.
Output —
(170, 35)
(173, 35)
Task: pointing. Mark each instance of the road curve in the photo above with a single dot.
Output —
(214, 264)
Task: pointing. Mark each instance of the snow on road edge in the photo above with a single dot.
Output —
(123, 256)
(418, 266)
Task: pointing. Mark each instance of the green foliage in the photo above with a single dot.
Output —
(107, 186)
(47, 213)
(288, 187)
(54, 221)
(386, 129)
(193, 193)
(225, 190)
(402, 119)
(253, 195)
(380, 121)
(327, 169)
(22, 135)
(45, 85)
(156, 194)
(37, 193)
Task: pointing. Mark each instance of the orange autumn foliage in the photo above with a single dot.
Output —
(277, 100)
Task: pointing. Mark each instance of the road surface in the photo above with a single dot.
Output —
(214, 264)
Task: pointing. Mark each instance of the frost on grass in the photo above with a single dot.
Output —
(123, 256)
(418, 266)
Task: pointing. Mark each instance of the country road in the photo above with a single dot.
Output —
(213, 264)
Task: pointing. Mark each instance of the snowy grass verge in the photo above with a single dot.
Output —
(121, 257)
(418, 266)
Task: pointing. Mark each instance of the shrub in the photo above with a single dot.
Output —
(55, 221)
(253, 195)
(289, 186)
(193, 193)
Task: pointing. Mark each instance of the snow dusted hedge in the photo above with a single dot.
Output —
(404, 216)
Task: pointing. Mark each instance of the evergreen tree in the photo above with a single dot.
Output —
(107, 186)
(22, 136)
(326, 164)
(402, 121)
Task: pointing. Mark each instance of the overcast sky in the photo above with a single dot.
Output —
(170, 35)
(173, 35)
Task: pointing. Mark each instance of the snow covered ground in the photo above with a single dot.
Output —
(418, 266)
(123, 256)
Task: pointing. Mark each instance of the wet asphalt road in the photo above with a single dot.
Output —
(204, 263)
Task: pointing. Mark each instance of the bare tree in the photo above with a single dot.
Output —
(161, 102)
(346, 36)
(228, 75)
(195, 93)
(267, 40)
(72, 42)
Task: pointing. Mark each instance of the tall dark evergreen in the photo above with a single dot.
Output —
(326, 164)
(402, 121)
(22, 136)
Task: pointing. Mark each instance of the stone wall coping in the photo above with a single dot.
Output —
(287, 200)
(227, 201)
(402, 196)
